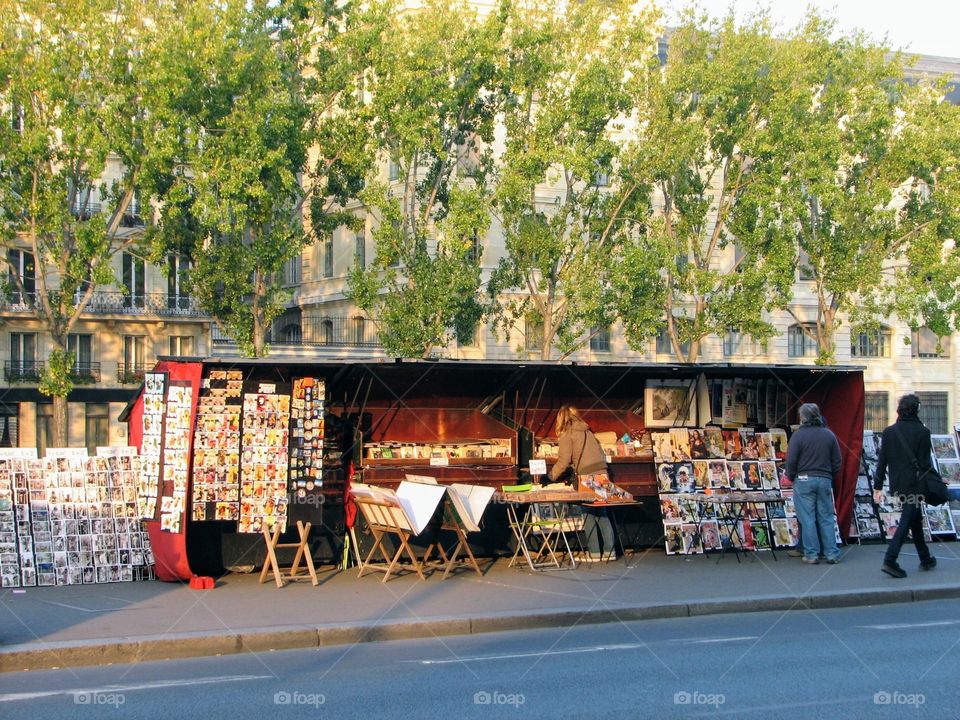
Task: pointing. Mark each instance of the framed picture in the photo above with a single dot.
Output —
(669, 403)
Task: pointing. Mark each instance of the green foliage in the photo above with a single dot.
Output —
(433, 94)
(568, 98)
(57, 378)
(704, 127)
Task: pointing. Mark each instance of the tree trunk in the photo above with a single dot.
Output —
(259, 327)
(61, 420)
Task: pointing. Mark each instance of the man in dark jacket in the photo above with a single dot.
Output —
(813, 459)
(904, 451)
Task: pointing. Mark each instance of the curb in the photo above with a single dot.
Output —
(55, 655)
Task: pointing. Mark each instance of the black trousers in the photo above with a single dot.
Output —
(911, 520)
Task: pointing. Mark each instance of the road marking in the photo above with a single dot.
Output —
(18, 697)
(715, 711)
(83, 609)
(710, 641)
(571, 651)
(904, 626)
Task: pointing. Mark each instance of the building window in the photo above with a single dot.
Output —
(132, 365)
(181, 345)
(178, 298)
(132, 218)
(326, 332)
(801, 341)
(738, 344)
(82, 348)
(925, 343)
(291, 334)
(533, 334)
(360, 250)
(393, 171)
(23, 355)
(600, 340)
(805, 270)
(9, 425)
(97, 426)
(870, 343)
(933, 411)
(86, 202)
(602, 178)
(21, 265)
(16, 118)
(665, 347)
(357, 330)
(45, 427)
(876, 411)
(292, 270)
(471, 338)
(328, 257)
(133, 281)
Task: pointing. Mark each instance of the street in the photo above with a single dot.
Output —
(878, 662)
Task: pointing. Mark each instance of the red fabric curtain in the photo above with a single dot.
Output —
(841, 399)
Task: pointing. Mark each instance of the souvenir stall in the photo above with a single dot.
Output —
(237, 446)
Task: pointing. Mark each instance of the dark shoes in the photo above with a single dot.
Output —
(929, 564)
(893, 570)
(811, 560)
(833, 561)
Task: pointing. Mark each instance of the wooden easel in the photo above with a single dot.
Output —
(385, 519)
(303, 552)
(451, 523)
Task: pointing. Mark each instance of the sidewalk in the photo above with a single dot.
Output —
(142, 621)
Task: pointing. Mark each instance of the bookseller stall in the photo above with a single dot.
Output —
(233, 447)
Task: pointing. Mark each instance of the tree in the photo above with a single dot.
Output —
(872, 163)
(244, 131)
(433, 91)
(713, 254)
(81, 151)
(559, 200)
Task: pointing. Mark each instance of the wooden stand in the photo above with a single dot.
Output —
(303, 552)
(452, 523)
(382, 519)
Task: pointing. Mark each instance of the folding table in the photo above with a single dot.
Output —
(550, 528)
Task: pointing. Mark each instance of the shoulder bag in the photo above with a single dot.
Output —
(929, 481)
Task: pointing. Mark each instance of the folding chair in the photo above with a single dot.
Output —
(303, 552)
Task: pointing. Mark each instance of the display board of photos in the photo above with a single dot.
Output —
(176, 456)
(865, 523)
(216, 447)
(264, 459)
(948, 461)
(151, 443)
(307, 434)
(76, 519)
(694, 462)
(749, 401)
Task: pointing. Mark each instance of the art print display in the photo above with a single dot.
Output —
(670, 403)
(176, 456)
(939, 519)
(307, 434)
(265, 445)
(76, 519)
(151, 443)
(693, 521)
(216, 447)
(944, 447)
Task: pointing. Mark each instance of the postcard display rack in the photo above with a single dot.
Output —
(69, 519)
(700, 462)
(216, 447)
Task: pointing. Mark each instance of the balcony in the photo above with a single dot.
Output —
(85, 211)
(335, 332)
(162, 304)
(22, 370)
(130, 373)
(85, 373)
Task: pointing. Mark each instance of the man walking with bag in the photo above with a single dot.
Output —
(904, 455)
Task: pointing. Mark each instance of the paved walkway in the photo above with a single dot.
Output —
(130, 622)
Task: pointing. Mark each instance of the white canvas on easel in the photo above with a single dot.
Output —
(419, 502)
(470, 502)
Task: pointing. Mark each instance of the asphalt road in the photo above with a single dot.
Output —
(891, 661)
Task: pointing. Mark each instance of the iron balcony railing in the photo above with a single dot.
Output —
(85, 372)
(22, 370)
(318, 332)
(130, 373)
(109, 302)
